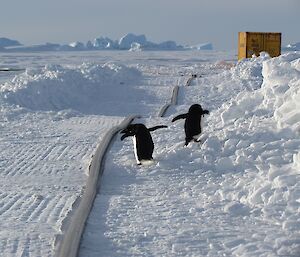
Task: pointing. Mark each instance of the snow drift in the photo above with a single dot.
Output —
(56, 88)
(265, 149)
(281, 88)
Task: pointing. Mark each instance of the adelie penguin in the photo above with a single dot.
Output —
(142, 140)
(192, 125)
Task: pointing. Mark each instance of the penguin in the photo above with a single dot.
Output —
(142, 140)
(192, 125)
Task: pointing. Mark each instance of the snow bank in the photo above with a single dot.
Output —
(81, 88)
(281, 89)
(260, 140)
(276, 99)
(256, 148)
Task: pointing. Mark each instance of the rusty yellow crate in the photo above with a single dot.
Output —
(252, 43)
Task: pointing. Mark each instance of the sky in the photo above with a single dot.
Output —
(187, 22)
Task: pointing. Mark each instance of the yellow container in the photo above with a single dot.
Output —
(252, 43)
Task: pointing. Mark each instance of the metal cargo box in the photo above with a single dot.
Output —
(252, 43)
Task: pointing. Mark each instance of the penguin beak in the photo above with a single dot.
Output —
(124, 136)
(127, 133)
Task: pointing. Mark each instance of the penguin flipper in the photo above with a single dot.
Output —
(180, 116)
(205, 112)
(157, 127)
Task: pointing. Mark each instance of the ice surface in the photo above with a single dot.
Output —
(235, 193)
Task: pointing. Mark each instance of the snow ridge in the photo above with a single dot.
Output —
(57, 88)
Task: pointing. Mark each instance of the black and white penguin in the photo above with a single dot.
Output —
(142, 140)
(192, 125)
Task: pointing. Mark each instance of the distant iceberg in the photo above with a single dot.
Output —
(129, 42)
(169, 45)
(134, 42)
(35, 48)
(77, 45)
(102, 43)
(6, 42)
(206, 46)
(135, 47)
(126, 41)
(292, 47)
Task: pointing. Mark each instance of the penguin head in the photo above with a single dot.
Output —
(132, 130)
(195, 109)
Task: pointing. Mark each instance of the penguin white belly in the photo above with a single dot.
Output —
(197, 137)
(135, 150)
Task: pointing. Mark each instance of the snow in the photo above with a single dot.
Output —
(55, 88)
(234, 194)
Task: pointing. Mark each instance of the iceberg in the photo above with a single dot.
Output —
(129, 42)
(6, 42)
(206, 46)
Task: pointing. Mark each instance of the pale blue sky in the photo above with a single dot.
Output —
(184, 21)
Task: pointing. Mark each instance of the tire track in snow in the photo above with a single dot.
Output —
(40, 209)
(23, 246)
(45, 201)
(10, 202)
